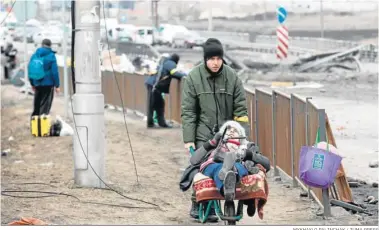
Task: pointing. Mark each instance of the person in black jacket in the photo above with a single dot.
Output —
(9, 53)
(160, 83)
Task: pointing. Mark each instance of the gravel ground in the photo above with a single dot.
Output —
(360, 195)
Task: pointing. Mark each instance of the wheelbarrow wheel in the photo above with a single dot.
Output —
(230, 211)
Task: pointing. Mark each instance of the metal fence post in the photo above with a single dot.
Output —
(256, 116)
(169, 107)
(322, 133)
(292, 122)
(115, 96)
(134, 93)
(276, 172)
(122, 91)
(252, 121)
(307, 132)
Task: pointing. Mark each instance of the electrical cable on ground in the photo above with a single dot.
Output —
(119, 91)
(81, 145)
(52, 194)
(40, 183)
(8, 13)
(4, 193)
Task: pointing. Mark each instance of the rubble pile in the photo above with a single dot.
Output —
(336, 62)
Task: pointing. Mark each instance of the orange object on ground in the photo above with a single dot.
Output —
(28, 221)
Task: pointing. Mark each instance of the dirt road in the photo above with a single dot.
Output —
(159, 158)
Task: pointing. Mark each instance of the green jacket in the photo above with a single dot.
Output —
(199, 104)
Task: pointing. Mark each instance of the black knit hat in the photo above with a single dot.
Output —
(175, 57)
(212, 48)
(46, 42)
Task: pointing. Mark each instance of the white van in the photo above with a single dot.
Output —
(167, 33)
(108, 24)
(120, 32)
(144, 35)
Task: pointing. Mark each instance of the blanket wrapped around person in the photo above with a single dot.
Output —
(231, 170)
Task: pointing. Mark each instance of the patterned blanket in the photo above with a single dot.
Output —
(250, 187)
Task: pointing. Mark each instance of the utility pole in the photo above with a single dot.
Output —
(26, 50)
(108, 9)
(51, 11)
(118, 12)
(154, 13)
(154, 17)
(322, 19)
(88, 100)
(264, 11)
(64, 45)
(210, 17)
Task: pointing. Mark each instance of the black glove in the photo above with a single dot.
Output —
(257, 158)
(251, 167)
(253, 147)
(209, 145)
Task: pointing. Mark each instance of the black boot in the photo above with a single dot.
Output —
(212, 217)
(250, 207)
(164, 125)
(160, 106)
(230, 186)
(194, 213)
(150, 107)
(161, 120)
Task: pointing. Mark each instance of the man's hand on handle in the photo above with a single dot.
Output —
(188, 145)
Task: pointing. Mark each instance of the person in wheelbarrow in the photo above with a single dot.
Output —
(230, 162)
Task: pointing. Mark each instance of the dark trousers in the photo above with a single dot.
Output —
(155, 102)
(43, 99)
(6, 73)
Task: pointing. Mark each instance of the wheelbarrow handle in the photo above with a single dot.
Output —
(192, 151)
(224, 140)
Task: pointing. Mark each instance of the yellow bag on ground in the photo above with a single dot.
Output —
(40, 125)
